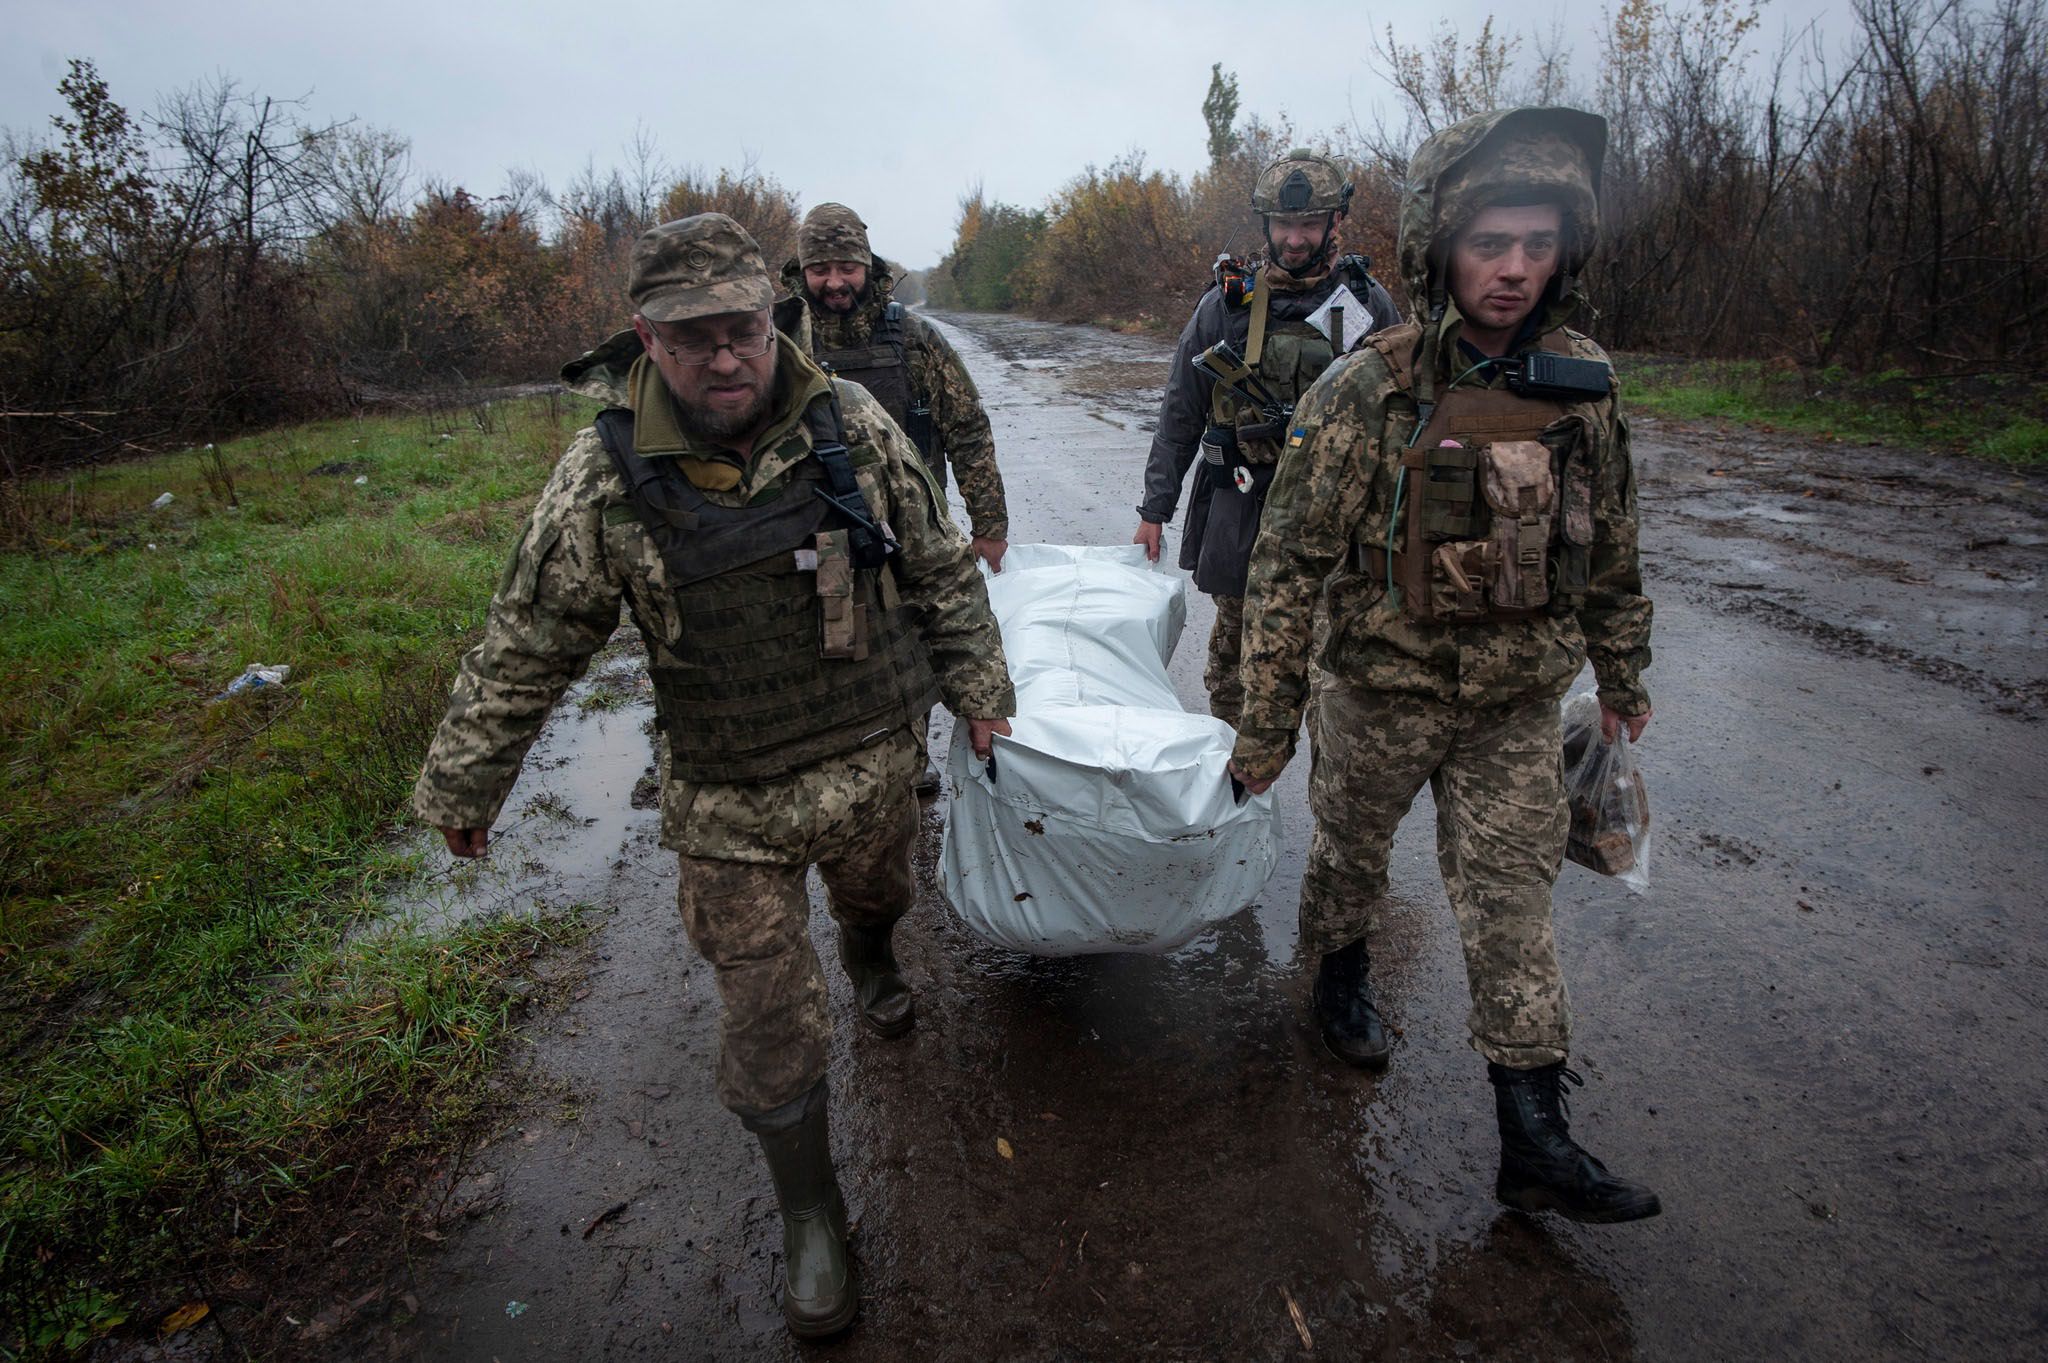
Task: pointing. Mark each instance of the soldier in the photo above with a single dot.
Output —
(1303, 199)
(804, 601)
(1462, 488)
(841, 312)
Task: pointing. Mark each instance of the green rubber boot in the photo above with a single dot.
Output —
(819, 1297)
(886, 1008)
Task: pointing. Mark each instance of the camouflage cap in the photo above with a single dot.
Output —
(698, 267)
(832, 232)
(1301, 182)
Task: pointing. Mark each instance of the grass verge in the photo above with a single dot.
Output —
(1992, 416)
(195, 1038)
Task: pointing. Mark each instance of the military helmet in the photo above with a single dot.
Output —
(1508, 156)
(1301, 182)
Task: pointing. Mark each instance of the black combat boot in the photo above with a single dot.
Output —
(884, 998)
(818, 1298)
(1350, 1023)
(1542, 1169)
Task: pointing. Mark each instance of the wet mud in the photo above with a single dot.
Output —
(1821, 1036)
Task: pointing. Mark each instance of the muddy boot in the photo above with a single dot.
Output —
(885, 1003)
(819, 1297)
(926, 785)
(1350, 1023)
(1542, 1169)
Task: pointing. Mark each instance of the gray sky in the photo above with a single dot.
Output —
(895, 107)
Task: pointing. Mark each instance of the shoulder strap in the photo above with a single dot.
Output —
(1396, 345)
(1357, 271)
(615, 429)
(678, 503)
(1255, 342)
(869, 544)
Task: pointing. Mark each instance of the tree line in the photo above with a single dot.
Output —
(221, 263)
(1876, 201)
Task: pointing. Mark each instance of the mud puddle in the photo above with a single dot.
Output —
(1820, 1036)
(583, 803)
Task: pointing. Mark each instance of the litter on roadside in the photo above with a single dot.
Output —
(1107, 820)
(256, 676)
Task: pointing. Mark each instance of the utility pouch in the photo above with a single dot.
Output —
(1450, 493)
(843, 630)
(1459, 573)
(1571, 564)
(1521, 492)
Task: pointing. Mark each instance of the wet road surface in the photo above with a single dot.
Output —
(1821, 1036)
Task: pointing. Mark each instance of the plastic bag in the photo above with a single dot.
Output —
(1109, 822)
(256, 675)
(1610, 807)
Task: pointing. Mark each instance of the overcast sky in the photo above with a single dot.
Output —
(895, 108)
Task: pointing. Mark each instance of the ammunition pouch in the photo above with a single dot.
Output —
(1497, 509)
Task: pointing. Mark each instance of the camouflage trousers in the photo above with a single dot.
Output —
(1226, 652)
(751, 921)
(1497, 777)
(1226, 656)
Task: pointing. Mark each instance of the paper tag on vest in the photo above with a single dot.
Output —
(1357, 319)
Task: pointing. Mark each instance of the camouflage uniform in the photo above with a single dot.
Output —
(1186, 410)
(960, 435)
(1469, 708)
(743, 847)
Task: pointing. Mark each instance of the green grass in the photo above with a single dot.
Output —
(194, 1038)
(1990, 416)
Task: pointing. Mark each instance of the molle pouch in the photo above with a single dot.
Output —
(1458, 576)
(1571, 565)
(1293, 361)
(1521, 492)
(843, 619)
(1450, 493)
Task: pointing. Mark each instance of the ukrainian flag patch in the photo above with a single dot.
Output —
(1296, 436)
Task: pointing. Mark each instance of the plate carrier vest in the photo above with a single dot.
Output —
(745, 692)
(1498, 525)
(882, 366)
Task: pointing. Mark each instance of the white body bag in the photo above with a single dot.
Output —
(1109, 823)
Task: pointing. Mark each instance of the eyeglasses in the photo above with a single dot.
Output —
(692, 354)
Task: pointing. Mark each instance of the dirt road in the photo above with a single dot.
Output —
(1821, 1036)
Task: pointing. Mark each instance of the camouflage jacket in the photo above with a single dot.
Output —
(1184, 407)
(936, 372)
(1335, 483)
(584, 553)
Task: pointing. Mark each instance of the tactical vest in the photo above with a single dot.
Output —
(1241, 446)
(1288, 357)
(1493, 510)
(882, 366)
(754, 686)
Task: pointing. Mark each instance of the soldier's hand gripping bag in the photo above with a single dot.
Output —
(1610, 808)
